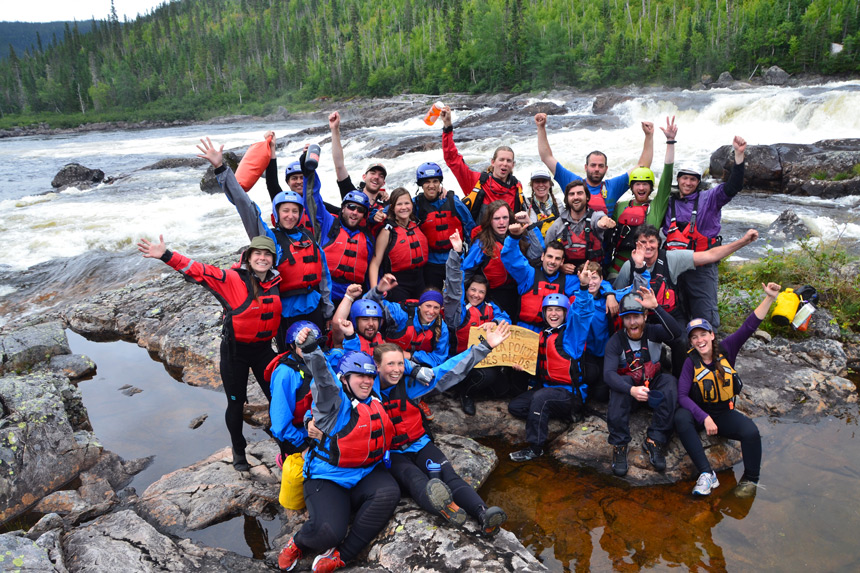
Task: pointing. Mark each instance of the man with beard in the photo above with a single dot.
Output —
(366, 317)
(603, 193)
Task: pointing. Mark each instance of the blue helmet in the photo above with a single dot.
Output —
(365, 308)
(428, 171)
(555, 299)
(297, 327)
(356, 363)
(292, 169)
(286, 197)
(358, 198)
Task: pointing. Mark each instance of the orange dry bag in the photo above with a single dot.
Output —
(253, 164)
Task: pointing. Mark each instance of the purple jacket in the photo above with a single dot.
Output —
(711, 202)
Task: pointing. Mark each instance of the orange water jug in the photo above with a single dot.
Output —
(433, 114)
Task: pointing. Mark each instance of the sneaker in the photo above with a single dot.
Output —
(527, 454)
(655, 454)
(442, 501)
(746, 488)
(705, 483)
(240, 462)
(619, 460)
(468, 405)
(289, 556)
(425, 409)
(280, 461)
(492, 520)
(328, 561)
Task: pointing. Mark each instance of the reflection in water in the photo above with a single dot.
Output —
(575, 519)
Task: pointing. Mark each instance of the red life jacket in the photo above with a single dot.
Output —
(597, 201)
(494, 269)
(624, 234)
(474, 317)
(686, 235)
(252, 320)
(438, 224)
(642, 370)
(555, 366)
(666, 291)
(304, 398)
(407, 248)
(411, 339)
(347, 256)
(301, 268)
(367, 346)
(531, 302)
(363, 441)
(487, 189)
(581, 247)
(406, 417)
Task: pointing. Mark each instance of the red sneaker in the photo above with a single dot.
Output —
(425, 409)
(280, 461)
(289, 556)
(328, 561)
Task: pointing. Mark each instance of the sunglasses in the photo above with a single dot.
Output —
(355, 207)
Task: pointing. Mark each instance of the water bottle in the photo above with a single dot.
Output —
(312, 158)
(434, 469)
(434, 112)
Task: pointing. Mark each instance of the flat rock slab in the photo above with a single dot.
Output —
(18, 553)
(22, 348)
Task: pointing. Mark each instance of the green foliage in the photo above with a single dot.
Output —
(195, 58)
(829, 267)
(856, 169)
(820, 175)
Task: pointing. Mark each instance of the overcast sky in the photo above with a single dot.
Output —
(59, 10)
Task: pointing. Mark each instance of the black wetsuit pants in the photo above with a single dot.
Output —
(537, 407)
(236, 359)
(731, 424)
(372, 500)
(410, 471)
(662, 420)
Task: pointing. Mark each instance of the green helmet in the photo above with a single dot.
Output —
(642, 174)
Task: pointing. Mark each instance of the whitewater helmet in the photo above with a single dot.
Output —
(426, 171)
(286, 197)
(365, 308)
(690, 172)
(355, 362)
(642, 174)
(630, 305)
(296, 327)
(292, 169)
(358, 198)
(555, 299)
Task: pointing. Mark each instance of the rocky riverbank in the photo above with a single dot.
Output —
(99, 521)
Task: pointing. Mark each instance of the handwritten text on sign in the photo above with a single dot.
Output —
(520, 348)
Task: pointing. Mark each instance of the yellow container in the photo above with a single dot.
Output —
(785, 308)
(292, 494)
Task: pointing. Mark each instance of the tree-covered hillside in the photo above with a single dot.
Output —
(23, 36)
(192, 57)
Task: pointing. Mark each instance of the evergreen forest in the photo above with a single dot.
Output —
(193, 59)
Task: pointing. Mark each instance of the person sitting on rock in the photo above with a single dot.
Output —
(692, 222)
(707, 389)
(559, 391)
(602, 193)
(252, 314)
(343, 472)
(665, 268)
(631, 369)
(481, 189)
(417, 464)
(305, 288)
(440, 213)
(463, 310)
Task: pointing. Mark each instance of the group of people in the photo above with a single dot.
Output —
(371, 304)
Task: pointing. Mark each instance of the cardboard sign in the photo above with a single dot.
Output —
(521, 348)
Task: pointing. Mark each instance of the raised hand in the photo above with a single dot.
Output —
(540, 120)
(750, 236)
(354, 291)
(521, 217)
(739, 144)
(671, 130)
(771, 289)
(445, 114)
(499, 335)
(334, 121)
(208, 152)
(516, 229)
(647, 298)
(346, 327)
(152, 250)
(386, 283)
(648, 128)
(637, 255)
(456, 242)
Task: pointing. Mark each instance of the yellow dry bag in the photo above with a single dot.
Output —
(786, 307)
(292, 494)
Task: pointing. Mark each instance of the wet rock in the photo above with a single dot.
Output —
(198, 421)
(177, 162)
(43, 445)
(724, 80)
(211, 491)
(73, 366)
(21, 348)
(788, 226)
(95, 497)
(48, 522)
(117, 471)
(707, 79)
(76, 175)
(21, 554)
(605, 102)
(762, 169)
(409, 145)
(775, 76)
(129, 390)
(822, 354)
(123, 541)
(209, 184)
